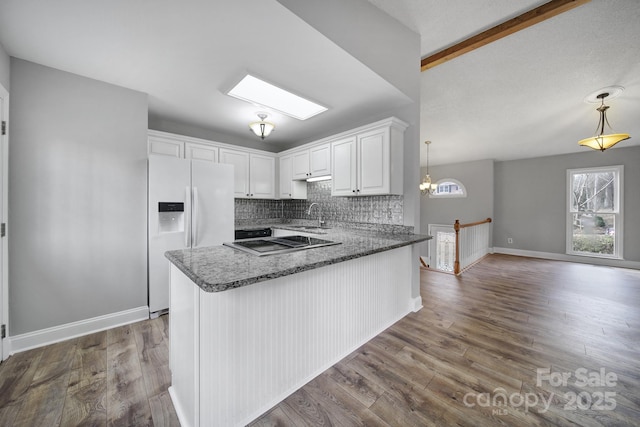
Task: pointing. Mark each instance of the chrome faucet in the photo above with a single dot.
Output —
(320, 221)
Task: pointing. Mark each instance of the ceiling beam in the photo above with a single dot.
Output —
(527, 19)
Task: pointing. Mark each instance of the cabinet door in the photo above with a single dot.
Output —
(284, 189)
(320, 160)
(262, 177)
(165, 147)
(300, 165)
(240, 162)
(201, 152)
(290, 189)
(343, 167)
(373, 162)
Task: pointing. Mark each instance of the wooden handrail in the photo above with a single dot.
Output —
(457, 226)
(471, 224)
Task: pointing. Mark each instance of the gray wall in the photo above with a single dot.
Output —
(531, 199)
(477, 177)
(5, 68)
(77, 198)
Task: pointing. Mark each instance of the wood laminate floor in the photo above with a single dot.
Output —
(117, 377)
(514, 341)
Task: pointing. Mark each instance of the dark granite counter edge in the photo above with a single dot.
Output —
(261, 278)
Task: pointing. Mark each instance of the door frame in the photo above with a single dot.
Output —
(5, 348)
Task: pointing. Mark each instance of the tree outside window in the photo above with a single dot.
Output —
(595, 214)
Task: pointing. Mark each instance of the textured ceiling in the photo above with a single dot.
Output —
(521, 96)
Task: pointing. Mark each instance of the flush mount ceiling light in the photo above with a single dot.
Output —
(426, 187)
(601, 141)
(262, 128)
(256, 91)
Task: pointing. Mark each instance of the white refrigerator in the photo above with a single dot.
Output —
(190, 205)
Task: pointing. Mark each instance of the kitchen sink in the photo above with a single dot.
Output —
(278, 245)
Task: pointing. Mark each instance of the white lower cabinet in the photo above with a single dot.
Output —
(254, 174)
(235, 354)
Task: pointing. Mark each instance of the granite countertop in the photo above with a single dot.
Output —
(219, 268)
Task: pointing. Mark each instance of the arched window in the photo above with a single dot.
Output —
(449, 188)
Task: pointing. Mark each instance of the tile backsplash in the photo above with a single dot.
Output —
(361, 209)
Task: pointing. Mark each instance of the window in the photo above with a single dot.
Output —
(449, 187)
(594, 217)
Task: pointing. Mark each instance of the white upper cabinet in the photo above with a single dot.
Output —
(314, 162)
(240, 162)
(300, 165)
(373, 155)
(165, 146)
(320, 160)
(201, 152)
(288, 188)
(254, 173)
(369, 162)
(363, 161)
(262, 173)
(344, 167)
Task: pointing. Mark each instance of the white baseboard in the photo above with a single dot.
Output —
(571, 258)
(416, 304)
(18, 343)
(178, 407)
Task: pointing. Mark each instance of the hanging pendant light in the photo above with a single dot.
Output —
(426, 187)
(262, 128)
(601, 141)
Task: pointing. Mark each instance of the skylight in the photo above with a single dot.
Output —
(254, 90)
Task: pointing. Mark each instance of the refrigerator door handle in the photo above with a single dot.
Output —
(194, 225)
(187, 228)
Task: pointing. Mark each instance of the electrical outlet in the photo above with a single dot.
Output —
(510, 240)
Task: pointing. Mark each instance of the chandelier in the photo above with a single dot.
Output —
(426, 187)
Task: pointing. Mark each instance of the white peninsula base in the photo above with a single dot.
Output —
(237, 353)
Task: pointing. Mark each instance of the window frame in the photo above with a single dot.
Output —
(618, 211)
(449, 195)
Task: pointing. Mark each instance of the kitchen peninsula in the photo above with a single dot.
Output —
(246, 331)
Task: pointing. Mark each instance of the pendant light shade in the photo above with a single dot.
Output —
(601, 141)
(262, 128)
